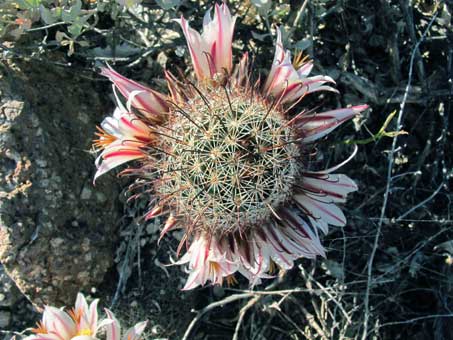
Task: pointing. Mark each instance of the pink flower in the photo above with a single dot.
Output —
(211, 51)
(81, 323)
(86, 317)
(288, 80)
(122, 138)
(216, 258)
(314, 126)
(150, 103)
(113, 329)
(226, 158)
(318, 195)
(280, 242)
(208, 259)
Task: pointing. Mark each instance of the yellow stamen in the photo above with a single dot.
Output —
(84, 331)
(272, 267)
(214, 267)
(231, 280)
(299, 60)
(40, 328)
(76, 315)
(104, 140)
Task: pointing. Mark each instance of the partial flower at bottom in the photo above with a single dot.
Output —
(80, 323)
(113, 329)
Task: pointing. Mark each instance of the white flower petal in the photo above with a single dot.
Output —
(134, 332)
(113, 329)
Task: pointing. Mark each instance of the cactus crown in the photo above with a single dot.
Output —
(230, 161)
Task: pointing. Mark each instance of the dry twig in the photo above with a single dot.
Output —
(389, 181)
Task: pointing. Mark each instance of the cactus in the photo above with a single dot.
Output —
(232, 160)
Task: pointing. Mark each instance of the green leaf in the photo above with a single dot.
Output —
(56, 12)
(77, 7)
(72, 14)
(75, 30)
(29, 4)
(47, 16)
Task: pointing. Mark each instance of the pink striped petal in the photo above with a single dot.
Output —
(319, 210)
(320, 224)
(132, 127)
(43, 337)
(59, 323)
(149, 102)
(93, 316)
(113, 157)
(308, 247)
(289, 84)
(169, 225)
(277, 250)
(241, 72)
(328, 188)
(299, 230)
(136, 331)
(305, 69)
(82, 311)
(320, 191)
(307, 86)
(252, 256)
(317, 125)
(279, 57)
(219, 31)
(280, 79)
(211, 52)
(113, 329)
(81, 305)
(84, 337)
(193, 280)
(208, 261)
(198, 50)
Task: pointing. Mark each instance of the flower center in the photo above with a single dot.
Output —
(84, 331)
(299, 60)
(231, 161)
(104, 139)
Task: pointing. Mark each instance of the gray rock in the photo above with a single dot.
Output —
(9, 293)
(54, 242)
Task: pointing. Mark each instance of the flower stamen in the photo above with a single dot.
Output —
(40, 328)
(299, 60)
(104, 140)
(85, 331)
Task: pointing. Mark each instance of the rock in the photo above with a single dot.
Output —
(56, 239)
(15, 309)
(9, 293)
